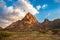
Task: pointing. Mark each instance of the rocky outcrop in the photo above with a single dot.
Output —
(46, 24)
(56, 24)
(30, 23)
(29, 19)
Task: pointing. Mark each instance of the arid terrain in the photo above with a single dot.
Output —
(34, 35)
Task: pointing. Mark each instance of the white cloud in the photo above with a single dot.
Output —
(11, 14)
(28, 7)
(44, 6)
(38, 7)
(10, 9)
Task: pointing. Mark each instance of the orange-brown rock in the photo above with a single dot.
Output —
(29, 19)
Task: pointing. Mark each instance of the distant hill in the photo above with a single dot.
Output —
(56, 24)
(46, 24)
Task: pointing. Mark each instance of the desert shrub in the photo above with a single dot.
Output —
(59, 33)
(42, 31)
(55, 31)
(49, 32)
(4, 34)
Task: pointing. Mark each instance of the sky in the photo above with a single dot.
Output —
(14, 10)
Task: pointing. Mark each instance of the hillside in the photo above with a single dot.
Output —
(30, 23)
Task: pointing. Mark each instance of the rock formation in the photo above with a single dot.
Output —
(30, 23)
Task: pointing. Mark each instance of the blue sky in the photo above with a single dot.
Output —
(13, 10)
(51, 11)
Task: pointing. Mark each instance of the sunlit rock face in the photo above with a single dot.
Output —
(29, 19)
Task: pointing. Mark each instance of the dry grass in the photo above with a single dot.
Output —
(34, 35)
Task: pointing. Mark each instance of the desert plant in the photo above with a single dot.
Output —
(4, 34)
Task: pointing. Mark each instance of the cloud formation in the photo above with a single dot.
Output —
(44, 6)
(16, 12)
(38, 7)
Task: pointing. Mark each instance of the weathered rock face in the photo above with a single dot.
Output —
(51, 24)
(56, 24)
(46, 24)
(29, 19)
(46, 21)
